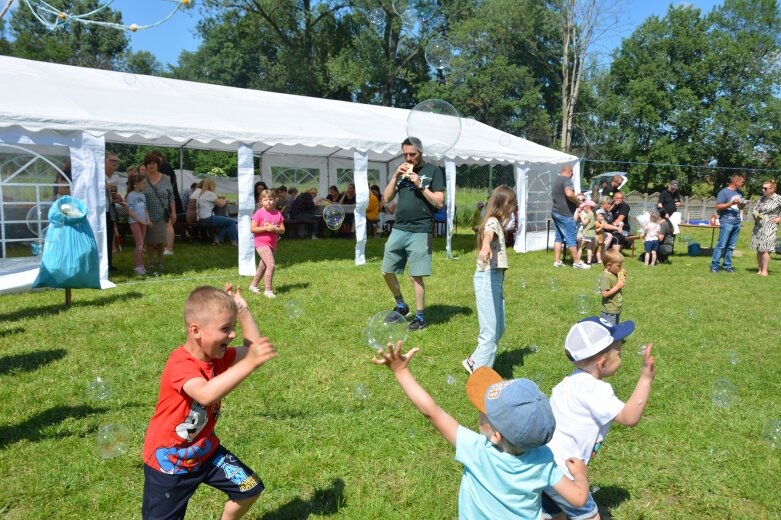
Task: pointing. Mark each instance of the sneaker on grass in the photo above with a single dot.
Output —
(401, 308)
(417, 324)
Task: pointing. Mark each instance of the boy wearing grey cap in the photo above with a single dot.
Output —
(507, 467)
(585, 406)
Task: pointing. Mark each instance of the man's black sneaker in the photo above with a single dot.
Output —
(417, 324)
(728, 269)
(401, 308)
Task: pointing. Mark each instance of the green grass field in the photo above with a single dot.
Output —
(333, 436)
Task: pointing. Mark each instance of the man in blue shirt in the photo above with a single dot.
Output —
(729, 202)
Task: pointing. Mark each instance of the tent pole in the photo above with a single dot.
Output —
(490, 178)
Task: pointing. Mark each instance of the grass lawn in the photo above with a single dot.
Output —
(333, 436)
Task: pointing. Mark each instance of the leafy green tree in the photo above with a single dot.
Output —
(692, 89)
(504, 73)
(141, 62)
(72, 43)
(275, 45)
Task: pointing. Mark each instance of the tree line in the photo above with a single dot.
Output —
(690, 95)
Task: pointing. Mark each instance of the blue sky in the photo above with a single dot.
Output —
(171, 37)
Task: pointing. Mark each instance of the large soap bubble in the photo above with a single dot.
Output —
(583, 304)
(294, 309)
(112, 441)
(333, 214)
(439, 53)
(386, 327)
(424, 9)
(437, 124)
(410, 17)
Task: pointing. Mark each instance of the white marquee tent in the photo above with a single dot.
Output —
(46, 105)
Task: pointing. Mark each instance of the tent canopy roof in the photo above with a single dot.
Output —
(134, 109)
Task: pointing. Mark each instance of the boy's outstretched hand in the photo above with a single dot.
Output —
(261, 351)
(241, 303)
(393, 358)
(576, 467)
(649, 363)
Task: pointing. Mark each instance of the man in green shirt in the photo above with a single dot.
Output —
(421, 190)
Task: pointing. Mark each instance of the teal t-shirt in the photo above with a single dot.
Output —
(414, 214)
(497, 485)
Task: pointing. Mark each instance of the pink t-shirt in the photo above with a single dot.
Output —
(263, 217)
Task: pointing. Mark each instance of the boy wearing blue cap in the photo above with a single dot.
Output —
(507, 467)
(585, 406)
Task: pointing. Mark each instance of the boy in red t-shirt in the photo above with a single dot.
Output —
(181, 450)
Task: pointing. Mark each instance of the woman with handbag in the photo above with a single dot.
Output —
(160, 204)
(206, 202)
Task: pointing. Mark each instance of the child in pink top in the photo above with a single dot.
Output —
(267, 224)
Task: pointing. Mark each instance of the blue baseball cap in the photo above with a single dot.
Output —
(592, 335)
(515, 408)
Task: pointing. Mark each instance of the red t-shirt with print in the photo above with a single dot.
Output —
(180, 436)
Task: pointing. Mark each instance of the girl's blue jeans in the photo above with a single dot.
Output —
(489, 293)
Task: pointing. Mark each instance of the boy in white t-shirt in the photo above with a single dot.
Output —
(506, 465)
(585, 406)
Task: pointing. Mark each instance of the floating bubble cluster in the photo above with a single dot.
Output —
(112, 441)
(386, 327)
(437, 124)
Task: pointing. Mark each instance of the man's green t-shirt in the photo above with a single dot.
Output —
(414, 214)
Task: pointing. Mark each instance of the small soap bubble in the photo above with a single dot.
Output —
(537, 378)
(594, 489)
(597, 290)
(505, 140)
(411, 434)
(361, 392)
(130, 79)
(771, 433)
(112, 441)
(724, 394)
(553, 285)
(692, 313)
(333, 214)
(98, 389)
(711, 451)
(294, 309)
(378, 16)
(523, 283)
(439, 53)
(582, 304)
(410, 17)
(733, 358)
(641, 349)
(533, 348)
(450, 379)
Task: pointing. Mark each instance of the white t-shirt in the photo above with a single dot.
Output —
(205, 203)
(584, 408)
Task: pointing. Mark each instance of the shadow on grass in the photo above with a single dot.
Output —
(507, 360)
(438, 314)
(286, 288)
(608, 498)
(30, 361)
(11, 331)
(32, 428)
(327, 501)
(60, 307)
